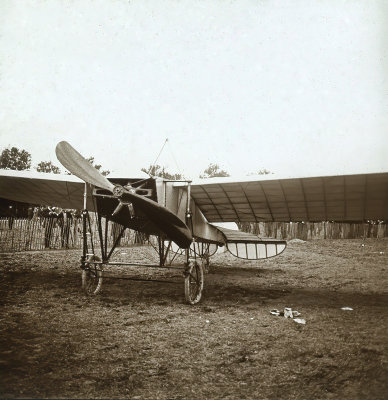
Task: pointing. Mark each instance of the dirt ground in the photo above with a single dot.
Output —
(140, 340)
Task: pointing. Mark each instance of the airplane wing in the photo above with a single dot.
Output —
(251, 247)
(58, 190)
(344, 198)
(67, 191)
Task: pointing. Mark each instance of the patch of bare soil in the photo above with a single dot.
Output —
(140, 340)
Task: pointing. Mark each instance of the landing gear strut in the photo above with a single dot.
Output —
(92, 266)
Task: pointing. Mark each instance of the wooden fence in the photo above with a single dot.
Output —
(50, 233)
(54, 233)
(316, 230)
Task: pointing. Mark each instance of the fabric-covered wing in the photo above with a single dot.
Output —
(327, 198)
(64, 191)
(251, 247)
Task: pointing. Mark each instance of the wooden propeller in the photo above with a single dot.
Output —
(163, 218)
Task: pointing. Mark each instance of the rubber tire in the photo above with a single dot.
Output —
(195, 269)
(92, 288)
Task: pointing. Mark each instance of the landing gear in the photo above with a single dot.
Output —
(92, 275)
(193, 282)
(197, 260)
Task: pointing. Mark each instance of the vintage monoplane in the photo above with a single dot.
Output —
(180, 213)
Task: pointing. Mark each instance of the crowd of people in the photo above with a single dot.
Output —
(57, 227)
(53, 217)
(59, 224)
(53, 212)
(50, 218)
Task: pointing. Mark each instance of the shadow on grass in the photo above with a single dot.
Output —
(118, 292)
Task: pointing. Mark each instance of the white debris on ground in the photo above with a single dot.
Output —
(296, 241)
(346, 308)
(295, 313)
(289, 313)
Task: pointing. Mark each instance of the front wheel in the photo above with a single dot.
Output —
(92, 276)
(193, 282)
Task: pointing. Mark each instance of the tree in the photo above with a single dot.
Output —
(98, 166)
(48, 166)
(157, 170)
(15, 159)
(262, 171)
(213, 171)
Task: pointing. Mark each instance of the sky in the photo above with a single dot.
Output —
(297, 87)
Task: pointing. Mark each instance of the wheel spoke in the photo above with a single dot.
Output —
(194, 283)
(194, 277)
(92, 276)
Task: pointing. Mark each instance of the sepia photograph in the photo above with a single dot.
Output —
(194, 199)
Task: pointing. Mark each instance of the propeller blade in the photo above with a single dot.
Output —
(163, 218)
(78, 166)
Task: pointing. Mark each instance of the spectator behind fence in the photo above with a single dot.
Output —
(35, 214)
(67, 219)
(49, 214)
(11, 216)
(77, 214)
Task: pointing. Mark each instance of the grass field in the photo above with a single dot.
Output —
(140, 340)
